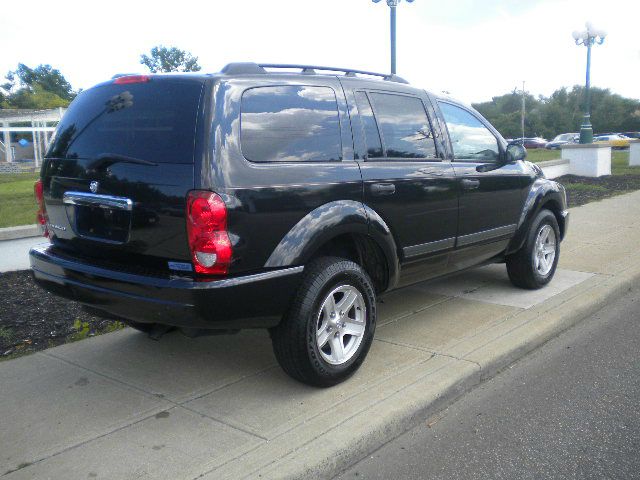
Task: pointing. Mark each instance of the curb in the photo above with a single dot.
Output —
(22, 231)
(394, 415)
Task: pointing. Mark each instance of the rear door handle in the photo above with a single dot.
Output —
(470, 183)
(380, 189)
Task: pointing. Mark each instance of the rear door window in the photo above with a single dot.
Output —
(153, 121)
(292, 123)
(406, 131)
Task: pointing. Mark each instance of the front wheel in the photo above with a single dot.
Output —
(534, 265)
(327, 332)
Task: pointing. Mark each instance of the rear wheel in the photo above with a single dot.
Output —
(534, 265)
(327, 332)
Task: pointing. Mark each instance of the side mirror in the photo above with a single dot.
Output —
(515, 152)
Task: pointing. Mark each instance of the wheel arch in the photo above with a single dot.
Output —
(543, 194)
(344, 228)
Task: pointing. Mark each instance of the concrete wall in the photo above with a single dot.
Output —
(555, 168)
(634, 153)
(590, 160)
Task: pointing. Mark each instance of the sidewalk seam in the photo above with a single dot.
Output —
(408, 314)
(428, 350)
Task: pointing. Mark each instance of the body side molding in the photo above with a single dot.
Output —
(485, 235)
(430, 247)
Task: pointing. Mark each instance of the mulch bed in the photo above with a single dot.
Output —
(604, 187)
(32, 319)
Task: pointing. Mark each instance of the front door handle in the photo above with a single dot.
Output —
(470, 183)
(379, 189)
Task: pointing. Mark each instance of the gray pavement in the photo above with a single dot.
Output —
(569, 410)
(122, 406)
(14, 254)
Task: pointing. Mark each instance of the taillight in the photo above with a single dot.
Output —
(41, 216)
(132, 79)
(207, 231)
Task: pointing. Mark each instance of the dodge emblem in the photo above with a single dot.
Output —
(93, 186)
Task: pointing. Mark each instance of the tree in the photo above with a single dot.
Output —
(36, 99)
(45, 76)
(40, 87)
(164, 59)
(561, 112)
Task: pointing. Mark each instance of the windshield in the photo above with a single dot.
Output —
(153, 121)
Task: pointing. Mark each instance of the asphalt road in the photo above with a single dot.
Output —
(571, 410)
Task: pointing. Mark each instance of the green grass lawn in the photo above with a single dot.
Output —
(17, 203)
(536, 155)
(620, 163)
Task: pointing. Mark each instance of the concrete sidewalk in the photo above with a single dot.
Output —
(14, 254)
(122, 406)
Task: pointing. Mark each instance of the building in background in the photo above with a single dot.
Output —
(25, 136)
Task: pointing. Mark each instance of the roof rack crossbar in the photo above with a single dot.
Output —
(347, 71)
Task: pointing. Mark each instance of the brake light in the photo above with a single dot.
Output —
(41, 216)
(207, 231)
(132, 79)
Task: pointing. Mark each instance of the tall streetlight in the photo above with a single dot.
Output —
(588, 38)
(392, 7)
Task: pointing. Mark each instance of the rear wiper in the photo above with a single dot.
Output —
(107, 159)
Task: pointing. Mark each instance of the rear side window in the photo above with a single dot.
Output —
(371, 134)
(153, 121)
(290, 124)
(406, 131)
(470, 139)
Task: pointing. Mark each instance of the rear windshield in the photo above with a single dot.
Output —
(152, 121)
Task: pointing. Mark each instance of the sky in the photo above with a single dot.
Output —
(473, 49)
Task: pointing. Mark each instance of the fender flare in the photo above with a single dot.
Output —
(542, 191)
(329, 221)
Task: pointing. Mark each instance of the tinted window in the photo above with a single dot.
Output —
(371, 133)
(153, 121)
(470, 139)
(290, 124)
(406, 132)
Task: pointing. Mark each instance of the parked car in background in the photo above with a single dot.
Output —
(616, 141)
(562, 139)
(261, 198)
(530, 142)
(631, 134)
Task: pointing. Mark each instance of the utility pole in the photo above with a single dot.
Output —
(523, 113)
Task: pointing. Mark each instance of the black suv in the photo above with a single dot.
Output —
(283, 197)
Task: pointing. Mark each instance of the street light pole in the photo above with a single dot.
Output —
(392, 29)
(392, 20)
(588, 38)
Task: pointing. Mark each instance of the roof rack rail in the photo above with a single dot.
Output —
(118, 75)
(240, 68)
(255, 68)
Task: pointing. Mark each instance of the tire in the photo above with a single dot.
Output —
(534, 265)
(314, 347)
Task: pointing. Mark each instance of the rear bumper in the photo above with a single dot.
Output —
(251, 301)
